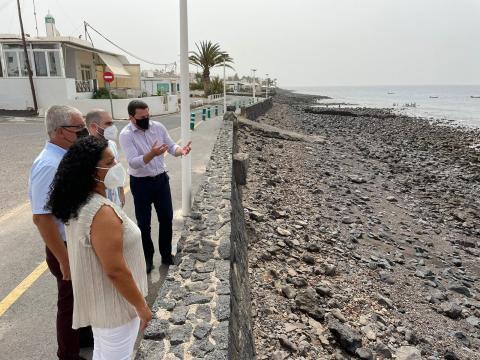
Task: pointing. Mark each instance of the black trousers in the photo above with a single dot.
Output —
(147, 191)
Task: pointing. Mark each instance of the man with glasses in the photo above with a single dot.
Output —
(145, 143)
(64, 125)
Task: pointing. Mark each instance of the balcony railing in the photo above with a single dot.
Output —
(83, 86)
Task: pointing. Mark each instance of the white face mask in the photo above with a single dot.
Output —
(115, 177)
(110, 133)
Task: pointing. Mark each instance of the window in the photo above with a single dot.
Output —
(12, 63)
(86, 72)
(54, 63)
(45, 46)
(13, 46)
(162, 89)
(40, 63)
(23, 63)
(44, 60)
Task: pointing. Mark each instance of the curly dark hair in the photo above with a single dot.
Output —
(75, 178)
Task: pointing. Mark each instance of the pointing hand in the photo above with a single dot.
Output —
(158, 150)
(187, 148)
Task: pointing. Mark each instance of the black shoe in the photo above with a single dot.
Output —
(167, 260)
(149, 265)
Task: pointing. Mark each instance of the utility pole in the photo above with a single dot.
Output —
(29, 69)
(224, 88)
(35, 15)
(185, 113)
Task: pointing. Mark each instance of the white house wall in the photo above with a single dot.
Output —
(150, 85)
(155, 104)
(173, 103)
(15, 93)
(69, 60)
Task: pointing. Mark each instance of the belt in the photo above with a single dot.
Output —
(151, 177)
(159, 175)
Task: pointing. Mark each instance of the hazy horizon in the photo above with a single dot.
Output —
(380, 85)
(312, 43)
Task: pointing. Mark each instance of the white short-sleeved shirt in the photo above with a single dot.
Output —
(114, 194)
(41, 177)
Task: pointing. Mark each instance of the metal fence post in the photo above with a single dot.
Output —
(192, 121)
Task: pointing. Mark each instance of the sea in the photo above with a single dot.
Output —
(456, 103)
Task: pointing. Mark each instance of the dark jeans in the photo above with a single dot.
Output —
(68, 340)
(147, 191)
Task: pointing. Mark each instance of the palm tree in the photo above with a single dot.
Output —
(208, 56)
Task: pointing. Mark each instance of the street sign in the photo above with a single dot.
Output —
(108, 77)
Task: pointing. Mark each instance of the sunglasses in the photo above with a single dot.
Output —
(73, 126)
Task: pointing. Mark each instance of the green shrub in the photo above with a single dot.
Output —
(216, 86)
(102, 93)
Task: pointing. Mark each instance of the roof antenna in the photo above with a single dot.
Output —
(35, 14)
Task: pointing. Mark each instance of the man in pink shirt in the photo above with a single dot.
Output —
(144, 143)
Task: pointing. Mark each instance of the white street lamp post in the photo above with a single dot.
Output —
(185, 113)
(253, 84)
(266, 90)
(224, 88)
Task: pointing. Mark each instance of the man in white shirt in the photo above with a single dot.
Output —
(144, 143)
(100, 124)
(64, 125)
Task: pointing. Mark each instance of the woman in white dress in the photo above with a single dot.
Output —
(105, 251)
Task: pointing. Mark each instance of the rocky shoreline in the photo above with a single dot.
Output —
(364, 245)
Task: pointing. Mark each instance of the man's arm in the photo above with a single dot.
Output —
(48, 229)
(44, 220)
(134, 159)
(172, 145)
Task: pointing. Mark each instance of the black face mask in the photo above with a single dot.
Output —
(82, 133)
(143, 123)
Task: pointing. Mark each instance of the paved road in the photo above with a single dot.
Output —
(27, 328)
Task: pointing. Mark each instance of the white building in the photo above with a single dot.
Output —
(233, 86)
(159, 83)
(237, 86)
(64, 69)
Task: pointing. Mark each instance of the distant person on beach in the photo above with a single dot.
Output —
(145, 142)
(104, 246)
(64, 125)
(100, 124)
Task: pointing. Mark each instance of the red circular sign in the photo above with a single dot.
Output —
(108, 76)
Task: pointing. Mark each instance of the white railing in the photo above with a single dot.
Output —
(215, 97)
(196, 103)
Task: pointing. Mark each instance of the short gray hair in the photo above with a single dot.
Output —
(94, 116)
(58, 116)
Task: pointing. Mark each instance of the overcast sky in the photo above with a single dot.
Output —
(301, 43)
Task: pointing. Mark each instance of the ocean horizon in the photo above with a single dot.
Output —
(458, 103)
